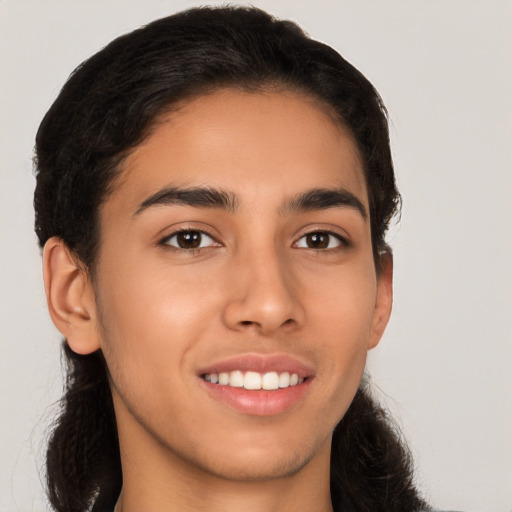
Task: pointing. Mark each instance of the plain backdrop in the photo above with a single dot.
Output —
(444, 69)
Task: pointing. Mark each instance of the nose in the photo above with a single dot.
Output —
(263, 296)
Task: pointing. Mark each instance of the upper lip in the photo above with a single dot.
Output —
(261, 363)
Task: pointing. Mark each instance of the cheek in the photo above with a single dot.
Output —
(147, 334)
(343, 304)
(145, 299)
(344, 314)
(152, 317)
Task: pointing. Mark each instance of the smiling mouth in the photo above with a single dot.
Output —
(258, 384)
(254, 381)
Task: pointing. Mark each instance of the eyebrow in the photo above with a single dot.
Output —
(324, 198)
(208, 197)
(199, 197)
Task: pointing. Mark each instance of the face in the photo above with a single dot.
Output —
(236, 255)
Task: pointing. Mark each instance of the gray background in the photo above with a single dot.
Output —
(444, 365)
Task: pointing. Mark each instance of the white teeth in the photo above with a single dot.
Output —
(284, 380)
(253, 380)
(270, 381)
(236, 379)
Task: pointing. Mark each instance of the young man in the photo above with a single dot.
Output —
(213, 194)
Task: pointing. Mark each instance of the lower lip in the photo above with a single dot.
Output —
(259, 402)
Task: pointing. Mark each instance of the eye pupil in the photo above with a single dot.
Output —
(317, 240)
(189, 239)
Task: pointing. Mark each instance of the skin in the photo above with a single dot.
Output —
(160, 313)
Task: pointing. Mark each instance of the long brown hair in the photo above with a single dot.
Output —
(105, 109)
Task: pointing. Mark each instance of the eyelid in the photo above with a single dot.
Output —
(343, 239)
(163, 241)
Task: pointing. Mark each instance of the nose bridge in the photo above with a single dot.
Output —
(264, 294)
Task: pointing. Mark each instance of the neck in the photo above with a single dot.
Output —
(155, 479)
(272, 496)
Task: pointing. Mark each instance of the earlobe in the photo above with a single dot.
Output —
(384, 299)
(70, 297)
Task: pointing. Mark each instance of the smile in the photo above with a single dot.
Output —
(258, 384)
(253, 380)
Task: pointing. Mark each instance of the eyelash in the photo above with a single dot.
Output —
(343, 242)
(193, 250)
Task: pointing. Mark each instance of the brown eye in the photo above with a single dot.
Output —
(319, 240)
(189, 240)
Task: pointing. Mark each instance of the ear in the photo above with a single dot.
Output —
(384, 299)
(70, 297)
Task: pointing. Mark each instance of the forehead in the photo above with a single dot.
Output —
(255, 144)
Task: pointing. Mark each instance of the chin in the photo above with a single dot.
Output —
(258, 458)
(257, 469)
